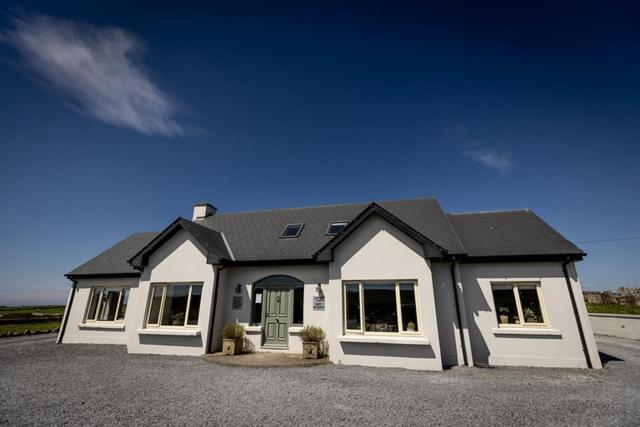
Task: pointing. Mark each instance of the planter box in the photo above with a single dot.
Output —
(232, 347)
(310, 350)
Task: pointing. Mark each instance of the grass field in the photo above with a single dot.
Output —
(593, 307)
(33, 318)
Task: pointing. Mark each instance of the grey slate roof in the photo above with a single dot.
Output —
(210, 239)
(510, 233)
(254, 236)
(114, 260)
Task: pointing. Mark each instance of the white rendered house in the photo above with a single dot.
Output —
(396, 283)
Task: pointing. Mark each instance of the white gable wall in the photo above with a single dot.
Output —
(378, 250)
(181, 259)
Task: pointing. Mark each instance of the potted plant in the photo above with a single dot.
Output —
(311, 337)
(529, 315)
(411, 327)
(504, 314)
(232, 339)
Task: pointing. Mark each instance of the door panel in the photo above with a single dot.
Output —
(277, 315)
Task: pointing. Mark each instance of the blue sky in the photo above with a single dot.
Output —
(117, 117)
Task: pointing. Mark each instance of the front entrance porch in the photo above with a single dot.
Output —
(277, 306)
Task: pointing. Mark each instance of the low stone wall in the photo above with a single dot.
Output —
(617, 325)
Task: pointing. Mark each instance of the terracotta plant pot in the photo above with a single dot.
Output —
(504, 318)
(310, 350)
(232, 347)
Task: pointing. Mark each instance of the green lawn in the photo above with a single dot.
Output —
(34, 318)
(21, 327)
(612, 308)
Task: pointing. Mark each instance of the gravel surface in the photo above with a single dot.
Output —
(44, 383)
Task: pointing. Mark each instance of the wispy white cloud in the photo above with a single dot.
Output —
(478, 150)
(96, 70)
(489, 157)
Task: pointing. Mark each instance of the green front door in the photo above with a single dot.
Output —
(276, 316)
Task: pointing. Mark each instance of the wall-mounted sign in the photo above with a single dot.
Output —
(318, 303)
(236, 302)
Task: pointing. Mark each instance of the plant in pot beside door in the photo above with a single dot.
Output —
(311, 337)
(232, 339)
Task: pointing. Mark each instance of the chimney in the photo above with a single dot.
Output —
(203, 210)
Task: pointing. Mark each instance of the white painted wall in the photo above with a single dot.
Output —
(563, 349)
(180, 259)
(377, 251)
(616, 325)
(310, 275)
(80, 333)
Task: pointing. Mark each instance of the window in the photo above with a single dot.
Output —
(335, 228)
(381, 307)
(516, 301)
(291, 231)
(298, 304)
(107, 304)
(175, 304)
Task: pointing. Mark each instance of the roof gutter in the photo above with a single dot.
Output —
(572, 296)
(67, 310)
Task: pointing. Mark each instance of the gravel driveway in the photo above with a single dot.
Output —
(41, 383)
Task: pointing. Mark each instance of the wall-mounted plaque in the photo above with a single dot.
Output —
(236, 302)
(318, 303)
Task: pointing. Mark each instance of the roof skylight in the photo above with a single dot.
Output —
(335, 227)
(291, 231)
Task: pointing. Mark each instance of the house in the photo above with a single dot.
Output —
(393, 284)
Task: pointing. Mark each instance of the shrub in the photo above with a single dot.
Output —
(233, 331)
(312, 334)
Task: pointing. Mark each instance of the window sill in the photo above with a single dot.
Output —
(527, 331)
(118, 326)
(169, 331)
(295, 330)
(253, 329)
(376, 339)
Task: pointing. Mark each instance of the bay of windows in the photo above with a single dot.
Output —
(518, 304)
(175, 304)
(381, 307)
(107, 304)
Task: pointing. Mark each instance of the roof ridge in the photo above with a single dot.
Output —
(326, 206)
(492, 212)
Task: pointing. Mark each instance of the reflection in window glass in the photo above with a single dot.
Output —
(531, 310)
(93, 305)
(505, 305)
(352, 305)
(380, 310)
(175, 305)
(194, 305)
(156, 301)
(108, 304)
(408, 307)
(124, 301)
(298, 304)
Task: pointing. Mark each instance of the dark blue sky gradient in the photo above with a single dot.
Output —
(296, 105)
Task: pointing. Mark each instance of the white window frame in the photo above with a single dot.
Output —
(515, 286)
(396, 283)
(164, 286)
(92, 293)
